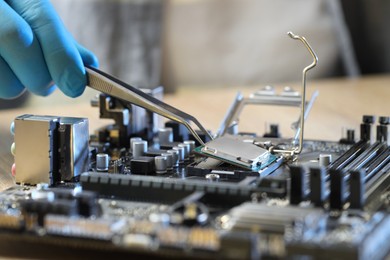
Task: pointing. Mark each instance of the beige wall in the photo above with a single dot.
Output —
(241, 42)
(216, 42)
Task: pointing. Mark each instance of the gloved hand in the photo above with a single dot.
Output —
(37, 52)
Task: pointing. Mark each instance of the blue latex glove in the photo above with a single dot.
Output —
(37, 52)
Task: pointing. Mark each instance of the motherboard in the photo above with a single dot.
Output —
(142, 186)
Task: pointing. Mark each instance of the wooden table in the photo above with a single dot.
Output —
(341, 104)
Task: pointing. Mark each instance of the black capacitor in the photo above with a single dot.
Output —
(368, 119)
(350, 139)
(351, 135)
(382, 131)
(365, 127)
(384, 120)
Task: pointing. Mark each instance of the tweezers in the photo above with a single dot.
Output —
(112, 86)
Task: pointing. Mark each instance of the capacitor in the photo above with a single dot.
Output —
(186, 150)
(384, 120)
(160, 164)
(175, 155)
(165, 135)
(132, 140)
(325, 160)
(368, 119)
(181, 153)
(169, 158)
(382, 130)
(139, 148)
(102, 162)
(351, 135)
(191, 143)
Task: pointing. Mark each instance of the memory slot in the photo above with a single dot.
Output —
(379, 177)
(379, 163)
(352, 183)
(349, 156)
(386, 169)
(371, 162)
(376, 188)
(369, 182)
(366, 157)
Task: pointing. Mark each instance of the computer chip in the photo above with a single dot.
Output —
(236, 151)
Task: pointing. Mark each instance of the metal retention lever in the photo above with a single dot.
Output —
(298, 150)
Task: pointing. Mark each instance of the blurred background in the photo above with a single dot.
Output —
(181, 43)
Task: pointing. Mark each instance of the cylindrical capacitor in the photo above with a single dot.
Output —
(351, 135)
(191, 143)
(160, 163)
(186, 150)
(325, 160)
(175, 156)
(102, 162)
(165, 135)
(169, 157)
(132, 140)
(139, 148)
(181, 153)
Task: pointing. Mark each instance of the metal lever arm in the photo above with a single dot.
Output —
(298, 150)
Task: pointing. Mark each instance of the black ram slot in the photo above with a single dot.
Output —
(380, 162)
(348, 156)
(366, 157)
